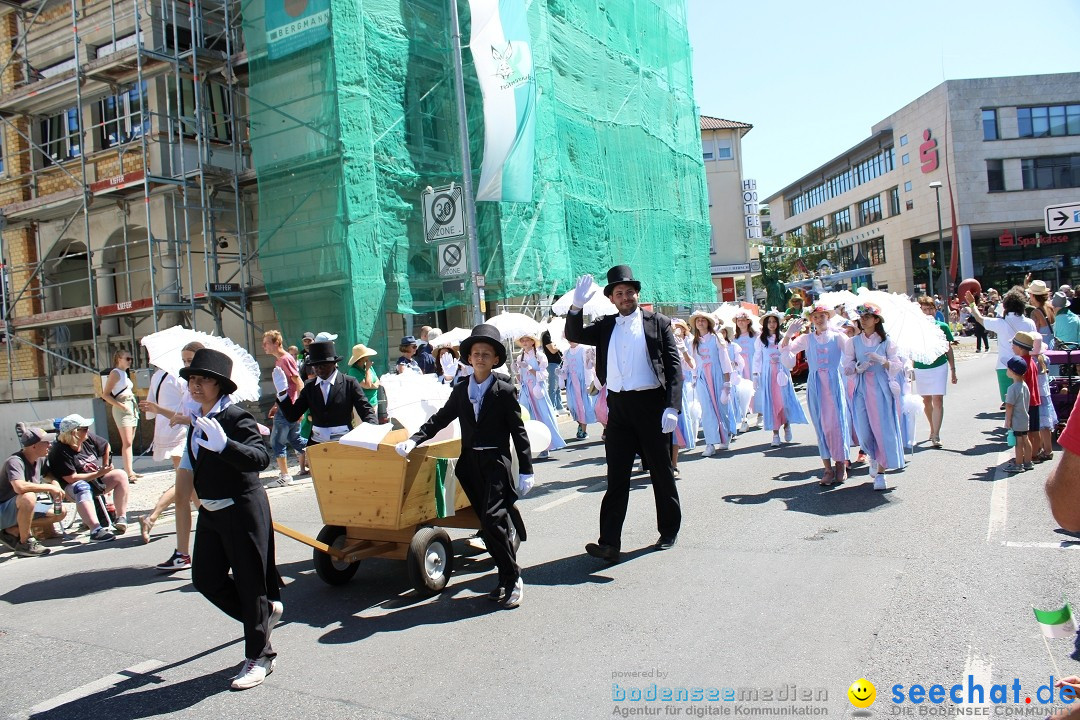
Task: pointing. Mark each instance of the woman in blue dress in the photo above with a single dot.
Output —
(871, 357)
(826, 397)
(773, 391)
(578, 373)
(531, 369)
(712, 377)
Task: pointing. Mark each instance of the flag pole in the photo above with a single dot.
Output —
(467, 199)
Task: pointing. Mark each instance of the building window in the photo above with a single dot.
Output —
(841, 221)
(863, 172)
(904, 159)
(60, 137)
(995, 176)
(122, 117)
(870, 210)
(894, 201)
(1048, 120)
(1048, 173)
(907, 186)
(903, 140)
(875, 251)
(989, 124)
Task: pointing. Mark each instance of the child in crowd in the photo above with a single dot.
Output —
(1017, 398)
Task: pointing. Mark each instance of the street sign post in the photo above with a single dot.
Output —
(451, 259)
(1062, 218)
(444, 213)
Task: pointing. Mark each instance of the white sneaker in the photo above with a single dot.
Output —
(787, 434)
(745, 427)
(776, 439)
(708, 451)
(879, 482)
(280, 481)
(251, 674)
(514, 598)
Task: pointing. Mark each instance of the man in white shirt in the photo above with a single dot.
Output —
(637, 358)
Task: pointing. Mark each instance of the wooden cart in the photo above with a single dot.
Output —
(374, 503)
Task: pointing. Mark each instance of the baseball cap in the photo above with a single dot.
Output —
(33, 435)
(1017, 365)
(73, 421)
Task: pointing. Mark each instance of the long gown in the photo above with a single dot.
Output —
(826, 397)
(773, 389)
(531, 367)
(876, 400)
(750, 347)
(712, 363)
(577, 371)
(686, 431)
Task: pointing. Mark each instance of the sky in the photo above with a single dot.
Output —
(813, 77)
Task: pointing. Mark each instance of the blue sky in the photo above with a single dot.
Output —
(812, 77)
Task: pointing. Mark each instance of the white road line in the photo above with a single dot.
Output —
(96, 685)
(982, 667)
(572, 495)
(999, 497)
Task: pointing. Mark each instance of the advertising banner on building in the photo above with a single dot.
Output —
(292, 25)
(502, 52)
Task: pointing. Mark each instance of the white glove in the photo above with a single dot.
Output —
(725, 395)
(405, 447)
(669, 420)
(281, 383)
(215, 439)
(525, 484)
(584, 291)
(876, 358)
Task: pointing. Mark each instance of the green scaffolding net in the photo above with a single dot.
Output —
(353, 115)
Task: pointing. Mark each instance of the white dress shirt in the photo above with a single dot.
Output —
(628, 365)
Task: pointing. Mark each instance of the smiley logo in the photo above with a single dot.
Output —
(862, 693)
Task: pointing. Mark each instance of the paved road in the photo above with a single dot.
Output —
(774, 583)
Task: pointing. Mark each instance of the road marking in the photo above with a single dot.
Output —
(999, 497)
(96, 685)
(982, 668)
(572, 495)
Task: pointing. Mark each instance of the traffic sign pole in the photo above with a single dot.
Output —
(472, 244)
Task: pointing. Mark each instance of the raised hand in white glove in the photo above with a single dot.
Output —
(281, 383)
(584, 291)
(725, 395)
(525, 483)
(405, 447)
(214, 438)
(669, 420)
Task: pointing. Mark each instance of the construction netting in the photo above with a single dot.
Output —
(353, 115)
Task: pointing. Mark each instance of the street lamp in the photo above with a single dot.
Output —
(929, 258)
(941, 241)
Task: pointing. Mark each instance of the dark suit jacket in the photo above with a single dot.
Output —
(500, 419)
(235, 470)
(659, 340)
(345, 396)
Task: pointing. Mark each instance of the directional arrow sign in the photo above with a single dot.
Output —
(1062, 218)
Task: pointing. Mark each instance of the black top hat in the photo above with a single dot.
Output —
(620, 275)
(487, 334)
(212, 364)
(322, 352)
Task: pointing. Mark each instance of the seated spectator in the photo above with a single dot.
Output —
(79, 458)
(20, 482)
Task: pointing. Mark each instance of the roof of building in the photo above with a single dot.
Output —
(714, 123)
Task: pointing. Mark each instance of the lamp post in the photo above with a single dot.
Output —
(941, 242)
(929, 258)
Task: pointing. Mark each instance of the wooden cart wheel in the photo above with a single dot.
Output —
(331, 571)
(430, 560)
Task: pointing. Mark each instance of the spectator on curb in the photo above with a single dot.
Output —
(20, 482)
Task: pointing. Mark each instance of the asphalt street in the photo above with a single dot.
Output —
(775, 582)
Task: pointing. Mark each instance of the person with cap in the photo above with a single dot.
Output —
(283, 434)
(1011, 322)
(489, 414)
(361, 367)
(872, 358)
(408, 347)
(235, 530)
(330, 397)
(80, 459)
(826, 393)
(20, 483)
(1042, 311)
(638, 360)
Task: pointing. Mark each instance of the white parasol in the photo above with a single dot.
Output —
(164, 350)
(451, 338)
(916, 335)
(513, 325)
(598, 306)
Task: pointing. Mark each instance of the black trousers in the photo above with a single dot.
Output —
(239, 538)
(634, 429)
(484, 475)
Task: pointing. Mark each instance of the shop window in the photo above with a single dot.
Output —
(989, 124)
(995, 176)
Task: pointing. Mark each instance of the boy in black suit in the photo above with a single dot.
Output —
(488, 409)
(235, 531)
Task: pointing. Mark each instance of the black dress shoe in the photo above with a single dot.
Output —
(604, 552)
(666, 543)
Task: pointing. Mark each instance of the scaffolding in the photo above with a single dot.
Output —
(127, 192)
